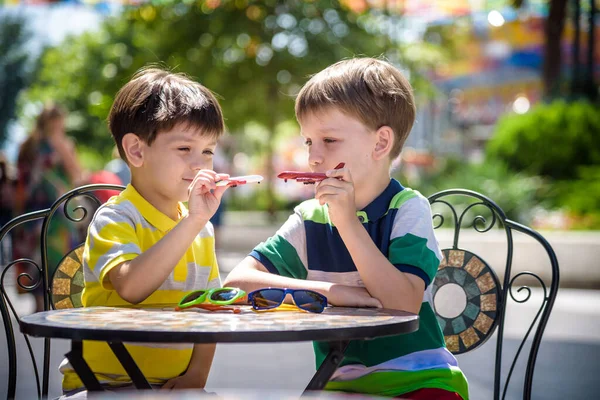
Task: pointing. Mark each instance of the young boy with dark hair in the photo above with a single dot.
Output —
(144, 246)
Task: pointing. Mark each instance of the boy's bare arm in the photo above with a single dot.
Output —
(392, 287)
(251, 275)
(395, 289)
(198, 369)
(137, 279)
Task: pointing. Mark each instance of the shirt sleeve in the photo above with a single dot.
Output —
(414, 248)
(111, 241)
(285, 252)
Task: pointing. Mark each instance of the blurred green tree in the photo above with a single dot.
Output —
(254, 54)
(553, 140)
(16, 68)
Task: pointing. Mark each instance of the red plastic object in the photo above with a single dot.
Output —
(306, 177)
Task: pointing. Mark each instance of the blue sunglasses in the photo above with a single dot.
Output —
(268, 298)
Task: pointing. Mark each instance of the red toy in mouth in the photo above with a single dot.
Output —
(306, 177)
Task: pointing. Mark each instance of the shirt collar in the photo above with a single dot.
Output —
(379, 207)
(149, 212)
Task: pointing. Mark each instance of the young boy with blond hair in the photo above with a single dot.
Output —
(364, 240)
(144, 246)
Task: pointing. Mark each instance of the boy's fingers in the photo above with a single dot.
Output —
(343, 173)
(219, 190)
(204, 183)
(207, 172)
(328, 190)
(326, 198)
(332, 182)
(206, 175)
(322, 198)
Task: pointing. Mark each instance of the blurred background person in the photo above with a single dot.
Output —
(47, 167)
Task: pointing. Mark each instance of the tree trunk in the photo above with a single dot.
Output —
(552, 54)
(576, 61)
(590, 85)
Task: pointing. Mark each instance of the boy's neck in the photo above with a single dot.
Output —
(367, 191)
(166, 206)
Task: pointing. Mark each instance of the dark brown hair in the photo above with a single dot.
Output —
(155, 100)
(370, 90)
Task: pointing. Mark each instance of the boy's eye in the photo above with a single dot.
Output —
(327, 140)
(307, 142)
(209, 152)
(184, 149)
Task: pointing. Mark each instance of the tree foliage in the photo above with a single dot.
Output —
(15, 68)
(254, 55)
(552, 140)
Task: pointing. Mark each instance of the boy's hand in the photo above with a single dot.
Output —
(351, 296)
(337, 191)
(205, 195)
(185, 381)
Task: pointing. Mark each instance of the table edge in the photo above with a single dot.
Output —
(328, 334)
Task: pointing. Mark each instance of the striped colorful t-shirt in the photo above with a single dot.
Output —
(308, 246)
(125, 227)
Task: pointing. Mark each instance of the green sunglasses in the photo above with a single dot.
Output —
(219, 296)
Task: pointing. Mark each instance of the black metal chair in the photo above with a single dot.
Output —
(479, 289)
(61, 284)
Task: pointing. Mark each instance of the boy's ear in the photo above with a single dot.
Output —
(385, 141)
(133, 147)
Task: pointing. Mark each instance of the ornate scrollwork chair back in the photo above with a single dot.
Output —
(61, 285)
(476, 292)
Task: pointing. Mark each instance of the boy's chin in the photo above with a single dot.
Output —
(183, 199)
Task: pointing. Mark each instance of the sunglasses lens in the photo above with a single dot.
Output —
(267, 298)
(225, 294)
(192, 296)
(309, 301)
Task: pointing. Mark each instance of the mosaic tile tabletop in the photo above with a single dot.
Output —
(110, 319)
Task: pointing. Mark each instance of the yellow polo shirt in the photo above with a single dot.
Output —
(125, 227)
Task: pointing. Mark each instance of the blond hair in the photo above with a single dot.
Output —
(368, 89)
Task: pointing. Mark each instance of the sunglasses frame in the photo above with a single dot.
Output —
(206, 296)
(286, 291)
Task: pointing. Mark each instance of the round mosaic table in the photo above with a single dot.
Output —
(336, 325)
(201, 326)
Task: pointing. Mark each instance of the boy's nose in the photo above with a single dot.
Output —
(314, 158)
(197, 164)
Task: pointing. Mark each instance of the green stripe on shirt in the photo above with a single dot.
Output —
(395, 383)
(311, 210)
(402, 197)
(412, 250)
(283, 256)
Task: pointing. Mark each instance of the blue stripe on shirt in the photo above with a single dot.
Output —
(409, 269)
(264, 261)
